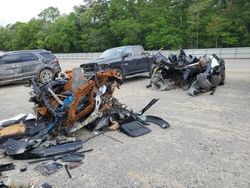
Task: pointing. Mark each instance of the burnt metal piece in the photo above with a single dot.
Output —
(72, 165)
(79, 153)
(67, 170)
(7, 167)
(48, 168)
(157, 120)
(63, 139)
(14, 147)
(52, 99)
(151, 103)
(2, 185)
(134, 129)
(15, 120)
(45, 185)
(137, 117)
(58, 149)
(23, 168)
(85, 151)
(102, 123)
(35, 129)
(73, 158)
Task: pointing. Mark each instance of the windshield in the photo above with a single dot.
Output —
(114, 52)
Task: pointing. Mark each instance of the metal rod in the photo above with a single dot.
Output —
(67, 170)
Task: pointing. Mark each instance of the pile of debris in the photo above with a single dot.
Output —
(62, 107)
(197, 75)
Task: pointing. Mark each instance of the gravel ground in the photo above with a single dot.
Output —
(208, 144)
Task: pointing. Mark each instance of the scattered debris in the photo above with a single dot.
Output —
(2, 185)
(48, 168)
(188, 72)
(157, 120)
(73, 165)
(11, 121)
(64, 106)
(45, 185)
(23, 168)
(58, 149)
(76, 98)
(71, 157)
(14, 147)
(134, 129)
(67, 170)
(6, 167)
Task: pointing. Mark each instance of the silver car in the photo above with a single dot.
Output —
(23, 65)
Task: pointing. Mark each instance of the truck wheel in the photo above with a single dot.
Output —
(45, 76)
(120, 74)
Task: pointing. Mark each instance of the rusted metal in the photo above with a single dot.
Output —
(109, 78)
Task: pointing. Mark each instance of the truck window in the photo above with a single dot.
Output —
(10, 58)
(28, 57)
(129, 50)
(138, 50)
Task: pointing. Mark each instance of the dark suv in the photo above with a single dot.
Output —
(22, 65)
(127, 60)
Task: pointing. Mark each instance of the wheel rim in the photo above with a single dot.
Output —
(46, 76)
(119, 74)
(157, 84)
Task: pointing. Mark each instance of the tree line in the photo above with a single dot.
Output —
(97, 25)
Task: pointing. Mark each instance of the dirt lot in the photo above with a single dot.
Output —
(208, 144)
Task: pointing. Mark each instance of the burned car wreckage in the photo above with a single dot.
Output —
(197, 75)
(64, 106)
(78, 102)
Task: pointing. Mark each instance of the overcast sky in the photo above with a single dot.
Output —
(12, 11)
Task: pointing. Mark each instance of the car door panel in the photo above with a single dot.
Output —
(142, 60)
(143, 63)
(29, 64)
(129, 63)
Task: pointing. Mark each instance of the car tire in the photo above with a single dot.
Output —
(45, 76)
(120, 74)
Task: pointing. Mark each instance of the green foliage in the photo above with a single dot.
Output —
(100, 24)
(49, 14)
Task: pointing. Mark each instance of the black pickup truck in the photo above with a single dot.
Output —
(127, 60)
